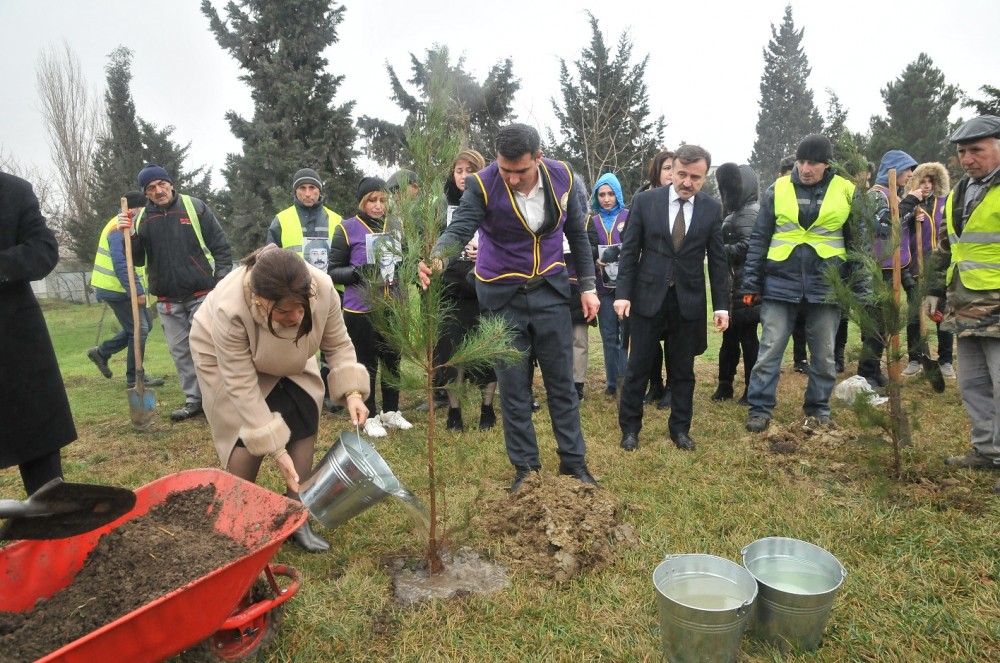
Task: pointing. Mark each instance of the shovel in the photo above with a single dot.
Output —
(141, 401)
(931, 368)
(59, 510)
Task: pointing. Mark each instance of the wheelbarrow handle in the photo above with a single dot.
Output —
(254, 611)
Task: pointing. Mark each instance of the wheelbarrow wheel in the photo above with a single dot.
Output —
(247, 643)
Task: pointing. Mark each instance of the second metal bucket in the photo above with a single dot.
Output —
(798, 582)
(350, 478)
(704, 603)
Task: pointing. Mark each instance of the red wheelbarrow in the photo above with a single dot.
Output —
(220, 609)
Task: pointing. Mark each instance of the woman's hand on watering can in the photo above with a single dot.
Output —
(288, 470)
(357, 409)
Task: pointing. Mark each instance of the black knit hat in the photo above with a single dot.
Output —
(814, 147)
(306, 176)
(369, 184)
(151, 173)
(135, 199)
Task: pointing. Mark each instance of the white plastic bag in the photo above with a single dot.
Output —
(854, 385)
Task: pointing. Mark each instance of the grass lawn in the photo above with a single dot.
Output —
(921, 554)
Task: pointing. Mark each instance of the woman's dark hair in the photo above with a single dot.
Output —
(656, 165)
(281, 275)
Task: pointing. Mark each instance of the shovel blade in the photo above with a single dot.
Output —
(142, 408)
(59, 510)
(933, 373)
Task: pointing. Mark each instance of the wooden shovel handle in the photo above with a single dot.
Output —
(897, 276)
(137, 345)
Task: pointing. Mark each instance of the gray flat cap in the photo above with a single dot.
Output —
(983, 126)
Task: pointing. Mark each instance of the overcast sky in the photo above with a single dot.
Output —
(704, 70)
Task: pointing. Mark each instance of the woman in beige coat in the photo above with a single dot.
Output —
(254, 343)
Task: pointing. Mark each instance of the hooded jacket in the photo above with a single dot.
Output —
(899, 161)
(929, 212)
(738, 189)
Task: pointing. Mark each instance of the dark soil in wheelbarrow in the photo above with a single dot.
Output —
(134, 564)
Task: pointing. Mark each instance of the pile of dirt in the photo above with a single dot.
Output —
(804, 435)
(132, 565)
(557, 527)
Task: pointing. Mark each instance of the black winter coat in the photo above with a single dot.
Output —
(33, 403)
(801, 277)
(738, 190)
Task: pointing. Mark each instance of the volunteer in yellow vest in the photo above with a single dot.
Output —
(307, 228)
(804, 227)
(111, 285)
(181, 244)
(968, 255)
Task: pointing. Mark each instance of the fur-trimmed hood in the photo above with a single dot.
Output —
(737, 186)
(938, 174)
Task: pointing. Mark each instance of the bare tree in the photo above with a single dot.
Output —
(41, 182)
(73, 119)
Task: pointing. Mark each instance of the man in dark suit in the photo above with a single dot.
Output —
(661, 288)
(522, 205)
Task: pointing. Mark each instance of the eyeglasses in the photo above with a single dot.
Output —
(157, 185)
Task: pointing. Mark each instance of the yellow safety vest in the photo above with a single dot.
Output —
(291, 227)
(195, 223)
(825, 235)
(104, 276)
(977, 252)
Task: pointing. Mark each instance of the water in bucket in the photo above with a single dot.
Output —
(792, 574)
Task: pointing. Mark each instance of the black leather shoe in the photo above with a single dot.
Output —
(683, 441)
(309, 540)
(520, 474)
(664, 403)
(630, 441)
(579, 472)
(186, 412)
(654, 394)
(743, 399)
(455, 419)
(102, 364)
(148, 382)
(535, 405)
(724, 392)
(802, 366)
(579, 390)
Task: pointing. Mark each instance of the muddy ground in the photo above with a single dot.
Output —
(134, 564)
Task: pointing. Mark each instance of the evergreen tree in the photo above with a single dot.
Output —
(988, 106)
(475, 111)
(127, 144)
(787, 111)
(605, 119)
(917, 105)
(295, 122)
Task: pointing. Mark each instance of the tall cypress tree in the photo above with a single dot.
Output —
(295, 124)
(475, 111)
(787, 111)
(126, 145)
(604, 119)
(917, 106)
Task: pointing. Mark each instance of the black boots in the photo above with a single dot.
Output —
(309, 540)
(579, 390)
(455, 419)
(487, 417)
(724, 392)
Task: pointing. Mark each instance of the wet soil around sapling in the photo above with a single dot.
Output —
(145, 558)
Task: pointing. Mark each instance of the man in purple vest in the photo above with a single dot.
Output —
(522, 205)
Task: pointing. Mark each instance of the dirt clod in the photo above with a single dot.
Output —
(557, 527)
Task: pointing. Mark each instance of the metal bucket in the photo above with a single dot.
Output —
(350, 478)
(798, 583)
(704, 603)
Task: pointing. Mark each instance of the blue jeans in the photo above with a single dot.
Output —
(777, 321)
(611, 327)
(126, 337)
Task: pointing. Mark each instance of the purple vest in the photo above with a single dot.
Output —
(930, 223)
(605, 238)
(354, 294)
(904, 238)
(509, 252)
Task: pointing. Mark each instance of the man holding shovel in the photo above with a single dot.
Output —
(968, 257)
(111, 284)
(186, 253)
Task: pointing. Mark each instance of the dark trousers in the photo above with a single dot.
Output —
(126, 337)
(541, 325)
(370, 348)
(738, 335)
(680, 348)
(872, 345)
(39, 471)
